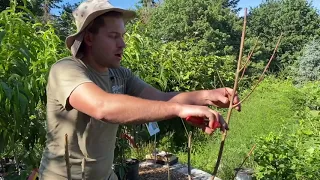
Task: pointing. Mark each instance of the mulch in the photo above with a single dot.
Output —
(155, 173)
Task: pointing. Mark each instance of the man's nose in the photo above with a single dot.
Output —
(121, 43)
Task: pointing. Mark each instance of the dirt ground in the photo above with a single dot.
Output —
(155, 173)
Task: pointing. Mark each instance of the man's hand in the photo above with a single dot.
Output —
(221, 98)
(205, 113)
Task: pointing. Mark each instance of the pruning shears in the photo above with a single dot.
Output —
(202, 121)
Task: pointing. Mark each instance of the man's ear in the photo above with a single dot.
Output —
(88, 38)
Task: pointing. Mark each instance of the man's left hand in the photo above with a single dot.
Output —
(221, 98)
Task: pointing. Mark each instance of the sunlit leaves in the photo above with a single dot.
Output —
(291, 155)
(28, 48)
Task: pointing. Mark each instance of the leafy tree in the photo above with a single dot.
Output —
(212, 26)
(64, 23)
(296, 19)
(27, 50)
(147, 3)
(37, 7)
(309, 62)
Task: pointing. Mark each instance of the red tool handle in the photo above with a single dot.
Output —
(201, 121)
(195, 120)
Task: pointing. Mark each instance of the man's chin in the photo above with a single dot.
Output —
(114, 65)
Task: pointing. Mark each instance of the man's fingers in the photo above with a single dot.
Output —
(228, 91)
(208, 130)
(223, 99)
(236, 100)
(218, 122)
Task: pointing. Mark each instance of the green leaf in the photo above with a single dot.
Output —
(7, 90)
(23, 101)
(310, 150)
(2, 34)
(307, 132)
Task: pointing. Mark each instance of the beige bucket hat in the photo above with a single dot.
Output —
(86, 12)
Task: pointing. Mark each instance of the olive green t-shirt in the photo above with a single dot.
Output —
(90, 140)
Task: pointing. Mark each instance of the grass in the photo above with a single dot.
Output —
(271, 106)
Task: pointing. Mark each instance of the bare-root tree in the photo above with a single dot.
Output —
(235, 87)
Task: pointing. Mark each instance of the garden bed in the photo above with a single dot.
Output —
(154, 173)
(151, 171)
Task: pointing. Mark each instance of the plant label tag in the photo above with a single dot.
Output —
(153, 128)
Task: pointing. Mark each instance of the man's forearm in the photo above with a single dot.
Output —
(123, 109)
(193, 98)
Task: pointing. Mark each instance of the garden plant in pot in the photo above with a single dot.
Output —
(125, 168)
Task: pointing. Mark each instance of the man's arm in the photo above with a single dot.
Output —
(192, 98)
(124, 109)
(216, 97)
(119, 108)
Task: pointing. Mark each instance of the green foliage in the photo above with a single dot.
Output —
(271, 105)
(211, 25)
(64, 24)
(309, 62)
(312, 98)
(37, 7)
(170, 67)
(296, 19)
(27, 49)
(291, 156)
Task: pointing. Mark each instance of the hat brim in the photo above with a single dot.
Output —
(126, 14)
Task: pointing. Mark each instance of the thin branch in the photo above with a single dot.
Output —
(248, 61)
(220, 79)
(224, 135)
(66, 155)
(248, 155)
(189, 155)
(169, 176)
(264, 71)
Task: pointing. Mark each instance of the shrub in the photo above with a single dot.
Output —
(27, 49)
(291, 156)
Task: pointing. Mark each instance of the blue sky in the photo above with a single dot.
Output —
(242, 3)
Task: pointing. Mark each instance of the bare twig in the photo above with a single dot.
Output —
(246, 64)
(224, 135)
(264, 71)
(189, 155)
(169, 176)
(248, 155)
(66, 155)
(220, 79)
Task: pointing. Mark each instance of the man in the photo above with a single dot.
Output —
(90, 94)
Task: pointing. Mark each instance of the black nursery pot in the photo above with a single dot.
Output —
(133, 169)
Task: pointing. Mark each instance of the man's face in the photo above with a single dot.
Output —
(107, 46)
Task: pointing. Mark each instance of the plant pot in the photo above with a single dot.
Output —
(132, 169)
(244, 174)
(128, 170)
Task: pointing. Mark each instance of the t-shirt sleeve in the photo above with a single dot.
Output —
(64, 77)
(135, 85)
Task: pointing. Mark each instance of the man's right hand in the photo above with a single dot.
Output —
(203, 112)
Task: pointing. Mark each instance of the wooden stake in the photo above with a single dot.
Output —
(83, 165)
(248, 155)
(189, 155)
(66, 155)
